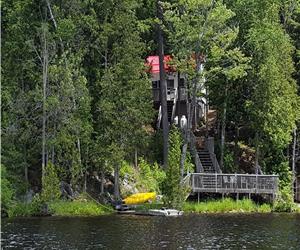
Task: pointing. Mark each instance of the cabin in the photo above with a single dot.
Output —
(208, 177)
(177, 94)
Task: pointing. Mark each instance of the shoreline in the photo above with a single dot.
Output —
(92, 209)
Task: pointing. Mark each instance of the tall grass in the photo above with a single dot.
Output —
(78, 208)
(226, 206)
(84, 205)
(20, 209)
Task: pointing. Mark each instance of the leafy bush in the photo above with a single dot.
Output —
(50, 184)
(151, 176)
(21, 209)
(284, 201)
(229, 161)
(146, 178)
(126, 169)
(174, 193)
(7, 192)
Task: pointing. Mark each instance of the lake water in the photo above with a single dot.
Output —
(225, 231)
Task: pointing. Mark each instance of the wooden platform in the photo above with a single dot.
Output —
(234, 183)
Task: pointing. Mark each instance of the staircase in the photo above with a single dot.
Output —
(206, 161)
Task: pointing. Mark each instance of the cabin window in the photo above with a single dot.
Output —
(170, 83)
(156, 84)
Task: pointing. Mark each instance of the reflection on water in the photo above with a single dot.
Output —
(227, 231)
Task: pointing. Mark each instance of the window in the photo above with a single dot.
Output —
(170, 83)
(156, 84)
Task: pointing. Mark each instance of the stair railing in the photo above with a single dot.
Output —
(187, 185)
(174, 104)
(194, 152)
(159, 118)
(209, 146)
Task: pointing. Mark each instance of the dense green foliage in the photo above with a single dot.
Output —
(60, 208)
(145, 178)
(77, 208)
(226, 206)
(7, 192)
(172, 189)
(76, 98)
(50, 188)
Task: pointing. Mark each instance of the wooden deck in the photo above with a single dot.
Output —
(234, 183)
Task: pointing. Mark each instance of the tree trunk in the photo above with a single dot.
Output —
(26, 173)
(117, 184)
(163, 88)
(256, 153)
(102, 182)
(236, 146)
(85, 181)
(182, 159)
(45, 79)
(223, 132)
(135, 158)
(206, 114)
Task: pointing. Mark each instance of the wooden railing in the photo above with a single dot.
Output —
(234, 183)
(199, 167)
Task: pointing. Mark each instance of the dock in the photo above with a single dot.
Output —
(234, 183)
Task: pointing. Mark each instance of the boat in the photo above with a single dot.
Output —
(140, 198)
(165, 212)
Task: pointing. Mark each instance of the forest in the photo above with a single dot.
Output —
(77, 108)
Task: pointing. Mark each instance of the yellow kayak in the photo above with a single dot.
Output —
(139, 198)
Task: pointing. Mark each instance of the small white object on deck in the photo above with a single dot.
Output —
(165, 212)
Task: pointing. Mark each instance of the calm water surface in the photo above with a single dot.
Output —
(227, 231)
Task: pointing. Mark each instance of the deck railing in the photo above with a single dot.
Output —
(234, 183)
(199, 167)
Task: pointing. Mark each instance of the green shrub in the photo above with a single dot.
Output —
(229, 161)
(151, 176)
(284, 201)
(126, 169)
(50, 184)
(146, 178)
(174, 193)
(7, 192)
(20, 209)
